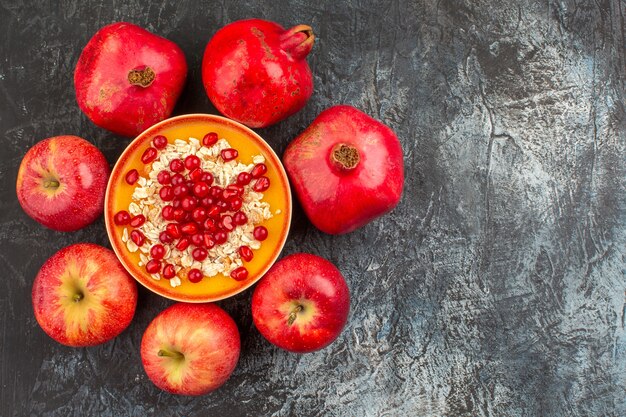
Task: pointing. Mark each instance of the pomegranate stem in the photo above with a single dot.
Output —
(51, 184)
(171, 354)
(294, 314)
(344, 157)
(141, 77)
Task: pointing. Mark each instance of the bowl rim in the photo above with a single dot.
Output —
(154, 129)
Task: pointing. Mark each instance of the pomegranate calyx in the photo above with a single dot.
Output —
(298, 41)
(141, 77)
(294, 314)
(344, 157)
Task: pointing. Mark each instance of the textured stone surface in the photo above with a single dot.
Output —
(497, 286)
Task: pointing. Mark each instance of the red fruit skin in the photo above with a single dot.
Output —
(339, 201)
(109, 296)
(255, 71)
(310, 281)
(82, 172)
(207, 337)
(103, 90)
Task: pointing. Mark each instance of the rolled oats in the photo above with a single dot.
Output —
(222, 258)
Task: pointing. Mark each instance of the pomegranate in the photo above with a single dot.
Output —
(255, 71)
(128, 79)
(346, 169)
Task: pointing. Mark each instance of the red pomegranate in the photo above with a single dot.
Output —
(346, 169)
(255, 71)
(128, 79)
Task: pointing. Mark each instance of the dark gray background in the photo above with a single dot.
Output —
(495, 288)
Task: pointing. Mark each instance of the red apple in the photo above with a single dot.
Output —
(301, 304)
(128, 79)
(83, 296)
(190, 349)
(61, 183)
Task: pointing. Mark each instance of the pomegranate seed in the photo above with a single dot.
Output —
(201, 189)
(216, 192)
(223, 205)
(166, 193)
(236, 187)
(192, 162)
(239, 274)
(189, 184)
(258, 170)
(121, 217)
(189, 228)
(240, 218)
(197, 239)
(164, 177)
(180, 190)
(226, 223)
(169, 271)
(209, 242)
(210, 225)
(137, 237)
(207, 177)
(176, 202)
(209, 139)
(153, 266)
(177, 165)
(244, 178)
(177, 179)
(149, 155)
(137, 220)
(220, 237)
(167, 212)
(159, 141)
(165, 237)
(229, 193)
(194, 275)
(157, 251)
(132, 176)
(235, 203)
(207, 201)
(246, 253)
(199, 254)
(229, 154)
(196, 174)
(173, 230)
(261, 184)
(178, 214)
(188, 203)
(182, 244)
(260, 233)
(214, 211)
(198, 214)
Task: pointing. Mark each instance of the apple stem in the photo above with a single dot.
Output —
(172, 354)
(294, 314)
(78, 297)
(51, 184)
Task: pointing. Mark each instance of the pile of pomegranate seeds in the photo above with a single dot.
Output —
(197, 213)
